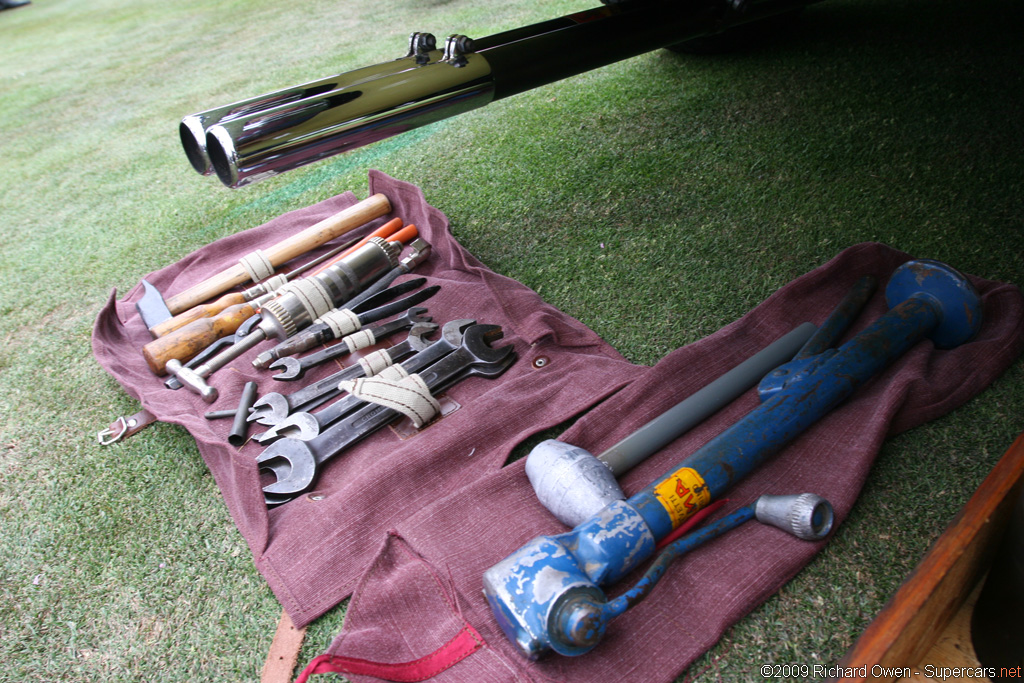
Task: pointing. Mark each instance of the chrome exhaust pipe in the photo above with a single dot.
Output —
(250, 148)
(192, 129)
(251, 145)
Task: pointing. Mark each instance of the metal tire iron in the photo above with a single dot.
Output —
(547, 595)
(172, 382)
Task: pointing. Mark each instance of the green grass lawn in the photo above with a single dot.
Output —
(656, 200)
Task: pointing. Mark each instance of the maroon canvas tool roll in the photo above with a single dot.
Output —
(420, 606)
(313, 549)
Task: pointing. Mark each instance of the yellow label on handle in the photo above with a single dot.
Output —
(682, 494)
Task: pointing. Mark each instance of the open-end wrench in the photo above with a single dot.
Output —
(274, 407)
(295, 368)
(280, 467)
(305, 458)
(305, 425)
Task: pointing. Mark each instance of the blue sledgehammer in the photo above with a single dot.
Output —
(547, 595)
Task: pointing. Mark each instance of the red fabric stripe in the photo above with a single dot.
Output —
(465, 643)
(692, 522)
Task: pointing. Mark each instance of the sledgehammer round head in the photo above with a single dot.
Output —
(955, 299)
(570, 482)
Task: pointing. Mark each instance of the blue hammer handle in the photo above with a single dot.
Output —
(530, 588)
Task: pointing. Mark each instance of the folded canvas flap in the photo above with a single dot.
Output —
(393, 614)
(313, 549)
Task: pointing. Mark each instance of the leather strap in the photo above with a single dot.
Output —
(284, 652)
(123, 427)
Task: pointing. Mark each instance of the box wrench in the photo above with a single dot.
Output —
(305, 425)
(295, 368)
(280, 467)
(271, 408)
(304, 459)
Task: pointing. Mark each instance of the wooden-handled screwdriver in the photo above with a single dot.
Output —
(326, 230)
(186, 342)
(231, 299)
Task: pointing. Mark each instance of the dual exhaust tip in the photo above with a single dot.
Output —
(263, 136)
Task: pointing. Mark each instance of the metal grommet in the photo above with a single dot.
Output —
(540, 361)
(316, 496)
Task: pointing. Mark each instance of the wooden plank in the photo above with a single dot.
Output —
(910, 624)
(953, 649)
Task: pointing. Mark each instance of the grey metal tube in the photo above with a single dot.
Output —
(706, 401)
(240, 424)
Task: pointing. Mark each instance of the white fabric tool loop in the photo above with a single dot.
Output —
(393, 373)
(341, 321)
(313, 296)
(409, 396)
(275, 283)
(374, 363)
(360, 340)
(257, 265)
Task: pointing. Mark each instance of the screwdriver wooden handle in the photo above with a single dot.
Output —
(351, 218)
(195, 313)
(184, 343)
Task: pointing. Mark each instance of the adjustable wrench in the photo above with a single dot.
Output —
(305, 425)
(274, 407)
(303, 459)
(295, 368)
